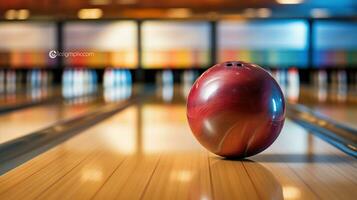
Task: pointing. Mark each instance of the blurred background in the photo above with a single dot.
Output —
(68, 49)
(95, 91)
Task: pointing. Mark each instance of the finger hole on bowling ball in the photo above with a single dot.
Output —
(239, 65)
(229, 64)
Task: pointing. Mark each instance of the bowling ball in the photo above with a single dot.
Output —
(236, 109)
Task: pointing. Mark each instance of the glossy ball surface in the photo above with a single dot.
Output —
(236, 109)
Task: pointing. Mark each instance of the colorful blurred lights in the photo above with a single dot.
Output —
(260, 12)
(21, 14)
(264, 12)
(319, 13)
(11, 14)
(179, 13)
(289, 1)
(90, 13)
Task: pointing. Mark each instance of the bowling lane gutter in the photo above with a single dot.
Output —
(55, 98)
(18, 151)
(340, 136)
(30, 103)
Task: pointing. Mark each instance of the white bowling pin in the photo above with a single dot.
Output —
(11, 81)
(293, 85)
(342, 85)
(322, 85)
(168, 85)
(128, 84)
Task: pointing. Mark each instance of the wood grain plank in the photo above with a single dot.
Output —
(230, 180)
(57, 154)
(180, 176)
(130, 179)
(85, 179)
(34, 185)
(319, 165)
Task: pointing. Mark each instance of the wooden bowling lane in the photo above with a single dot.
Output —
(324, 170)
(147, 152)
(29, 97)
(25, 121)
(343, 114)
(324, 102)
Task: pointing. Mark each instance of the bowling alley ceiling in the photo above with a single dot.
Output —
(93, 9)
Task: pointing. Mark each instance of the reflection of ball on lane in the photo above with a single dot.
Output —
(236, 109)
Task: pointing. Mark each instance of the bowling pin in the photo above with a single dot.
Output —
(168, 85)
(38, 78)
(108, 83)
(125, 83)
(76, 83)
(71, 85)
(117, 86)
(341, 86)
(188, 78)
(109, 78)
(128, 83)
(321, 85)
(94, 80)
(89, 81)
(11, 81)
(293, 89)
(86, 82)
(32, 78)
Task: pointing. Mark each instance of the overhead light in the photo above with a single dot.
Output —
(289, 1)
(23, 14)
(291, 192)
(92, 175)
(249, 12)
(263, 12)
(179, 13)
(90, 13)
(182, 175)
(99, 2)
(11, 14)
(319, 13)
(17, 14)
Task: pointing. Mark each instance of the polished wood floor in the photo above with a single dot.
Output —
(148, 152)
(28, 120)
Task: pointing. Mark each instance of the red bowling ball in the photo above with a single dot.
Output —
(236, 109)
